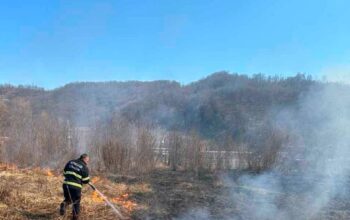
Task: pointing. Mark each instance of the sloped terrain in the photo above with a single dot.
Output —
(220, 103)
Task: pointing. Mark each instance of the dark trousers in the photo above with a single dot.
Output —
(72, 195)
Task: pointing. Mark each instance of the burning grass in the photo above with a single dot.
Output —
(36, 194)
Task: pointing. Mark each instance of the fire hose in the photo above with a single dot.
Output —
(116, 211)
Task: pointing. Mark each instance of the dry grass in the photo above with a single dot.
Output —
(165, 194)
(37, 193)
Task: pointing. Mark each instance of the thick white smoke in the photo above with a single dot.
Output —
(317, 158)
(314, 167)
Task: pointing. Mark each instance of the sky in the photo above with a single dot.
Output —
(51, 43)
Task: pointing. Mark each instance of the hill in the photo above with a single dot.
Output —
(221, 104)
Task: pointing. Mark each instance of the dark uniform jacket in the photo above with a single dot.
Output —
(76, 173)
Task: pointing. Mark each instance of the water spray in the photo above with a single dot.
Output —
(115, 210)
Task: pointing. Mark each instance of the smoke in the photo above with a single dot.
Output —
(316, 160)
(195, 214)
(312, 173)
(336, 74)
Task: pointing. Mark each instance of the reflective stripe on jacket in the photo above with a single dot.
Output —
(76, 173)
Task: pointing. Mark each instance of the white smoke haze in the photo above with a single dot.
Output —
(317, 154)
(195, 214)
(313, 171)
(337, 74)
(313, 168)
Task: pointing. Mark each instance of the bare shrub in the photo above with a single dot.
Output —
(145, 156)
(123, 148)
(266, 156)
(111, 146)
(175, 145)
(54, 139)
(35, 140)
(116, 157)
(194, 154)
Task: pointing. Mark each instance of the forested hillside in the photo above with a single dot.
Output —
(219, 105)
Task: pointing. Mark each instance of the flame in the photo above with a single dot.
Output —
(123, 201)
(96, 197)
(49, 173)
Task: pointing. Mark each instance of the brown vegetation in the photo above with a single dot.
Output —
(36, 194)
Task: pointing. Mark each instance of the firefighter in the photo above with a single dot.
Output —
(76, 174)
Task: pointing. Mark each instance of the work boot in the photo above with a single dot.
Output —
(62, 208)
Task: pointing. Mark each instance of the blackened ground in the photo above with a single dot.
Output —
(176, 194)
(183, 195)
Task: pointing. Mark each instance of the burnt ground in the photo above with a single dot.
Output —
(165, 194)
(177, 194)
(183, 195)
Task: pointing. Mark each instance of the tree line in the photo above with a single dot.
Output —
(219, 122)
